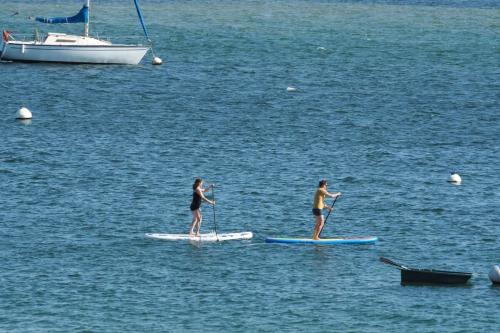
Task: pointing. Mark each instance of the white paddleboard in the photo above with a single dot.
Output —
(211, 237)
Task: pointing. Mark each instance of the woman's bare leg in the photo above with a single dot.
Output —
(199, 224)
(195, 222)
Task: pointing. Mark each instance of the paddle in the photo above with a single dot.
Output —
(329, 212)
(213, 206)
(390, 262)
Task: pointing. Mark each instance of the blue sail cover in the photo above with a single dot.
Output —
(81, 17)
(139, 13)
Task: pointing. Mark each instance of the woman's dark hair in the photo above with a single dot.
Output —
(322, 182)
(197, 182)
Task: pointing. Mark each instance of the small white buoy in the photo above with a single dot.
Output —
(494, 274)
(291, 89)
(321, 48)
(455, 178)
(157, 61)
(23, 113)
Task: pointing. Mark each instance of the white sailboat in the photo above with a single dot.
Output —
(64, 48)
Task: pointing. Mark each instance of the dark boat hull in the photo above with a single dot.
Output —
(429, 276)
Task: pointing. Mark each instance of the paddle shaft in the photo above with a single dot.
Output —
(213, 206)
(329, 212)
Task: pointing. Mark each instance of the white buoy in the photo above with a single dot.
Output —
(23, 113)
(157, 61)
(321, 48)
(494, 274)
(291, 89)
(455, 178)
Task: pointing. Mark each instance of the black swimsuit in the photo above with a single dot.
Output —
(196, 203)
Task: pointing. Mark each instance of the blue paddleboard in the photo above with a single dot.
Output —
(324, 241)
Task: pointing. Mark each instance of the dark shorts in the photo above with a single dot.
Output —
(194, 207)
(317, 212)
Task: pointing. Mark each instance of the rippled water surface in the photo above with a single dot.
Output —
(390, 97)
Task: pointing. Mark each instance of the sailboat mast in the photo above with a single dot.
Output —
(86, 29)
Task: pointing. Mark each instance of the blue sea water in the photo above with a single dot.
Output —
(391, 97)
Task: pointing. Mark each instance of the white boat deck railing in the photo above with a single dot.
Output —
(15, 37)
(40, 37)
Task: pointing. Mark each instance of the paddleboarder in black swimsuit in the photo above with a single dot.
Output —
(198, 197)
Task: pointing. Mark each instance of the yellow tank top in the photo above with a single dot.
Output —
(319, 198)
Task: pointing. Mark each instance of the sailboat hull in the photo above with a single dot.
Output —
(82, 54)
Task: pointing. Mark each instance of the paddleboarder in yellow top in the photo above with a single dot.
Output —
(319, 205)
